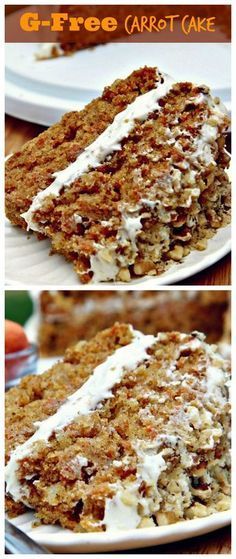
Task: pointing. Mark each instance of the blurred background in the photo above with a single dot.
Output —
(18, 306)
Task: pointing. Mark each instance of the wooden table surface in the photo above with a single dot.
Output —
(215, 543)
(19, 131)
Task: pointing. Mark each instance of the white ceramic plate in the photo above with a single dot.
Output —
(45, 363)
(28, 263)
(41, 91)
(59, 540)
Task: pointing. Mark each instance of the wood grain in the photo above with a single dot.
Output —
(218, 274)
(19, 131)
(215, 543)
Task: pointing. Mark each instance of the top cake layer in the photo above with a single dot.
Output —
(126, 184)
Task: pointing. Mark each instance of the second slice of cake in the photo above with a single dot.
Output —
(129, 431)
(130, 184)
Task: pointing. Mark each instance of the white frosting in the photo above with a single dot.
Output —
(78, 219)
(212, 437)
(125, 509)
(121, 511)
(194, 417)
(130, 227)
(103, 266)
(215, 381)
(209, 132)
(106, 266)
(80, 461)
(121, 514)
(46, 50)
(107, 143)
(202, 148)
(193, 193)
(149, 203)
(96, 389)
(202, 145)
(194, 344)
(151, 464)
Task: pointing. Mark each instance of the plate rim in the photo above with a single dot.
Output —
(131, 539)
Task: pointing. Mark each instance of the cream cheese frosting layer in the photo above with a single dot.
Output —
(95, 390)
(107, 143)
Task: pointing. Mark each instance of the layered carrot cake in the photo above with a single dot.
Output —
(68, 316)
(131, 430)
(129, 185)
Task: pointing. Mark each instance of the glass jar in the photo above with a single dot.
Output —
(20, 363)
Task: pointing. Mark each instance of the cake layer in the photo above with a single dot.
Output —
(68, 316)
(131, 430)
(130, 184)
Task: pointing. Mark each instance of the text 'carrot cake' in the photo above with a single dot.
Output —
(130, 184)
(129, 431)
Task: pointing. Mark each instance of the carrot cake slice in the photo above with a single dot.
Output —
(69, 41)
(64, 317)
(131, 430)
(130, 184)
